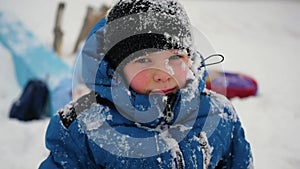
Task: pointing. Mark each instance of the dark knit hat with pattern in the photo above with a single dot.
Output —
(143, 26)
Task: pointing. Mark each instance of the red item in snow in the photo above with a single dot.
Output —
(231, 84)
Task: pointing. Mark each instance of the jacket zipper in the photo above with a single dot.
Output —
(169, 116)
(178, 159)
(206, 149)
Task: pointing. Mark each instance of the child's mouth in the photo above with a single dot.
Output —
(163, 92)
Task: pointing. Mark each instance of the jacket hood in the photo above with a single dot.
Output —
(94, 71)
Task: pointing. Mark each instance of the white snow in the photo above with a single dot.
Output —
(258, 38)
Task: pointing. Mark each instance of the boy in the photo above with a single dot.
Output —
(148, 107)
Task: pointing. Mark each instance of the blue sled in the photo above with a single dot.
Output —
(32, 59)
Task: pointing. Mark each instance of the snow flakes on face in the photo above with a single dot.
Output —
(195, 77)
(168, 67)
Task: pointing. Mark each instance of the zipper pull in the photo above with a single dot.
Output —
(168, 101)
(169, 115)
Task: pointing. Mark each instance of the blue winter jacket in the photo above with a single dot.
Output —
(124, 129)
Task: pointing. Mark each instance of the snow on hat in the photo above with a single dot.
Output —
(145, 26)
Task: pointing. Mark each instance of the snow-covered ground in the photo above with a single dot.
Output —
(258, 38)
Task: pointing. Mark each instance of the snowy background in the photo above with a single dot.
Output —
(258, 38)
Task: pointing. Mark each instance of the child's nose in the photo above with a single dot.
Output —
(161, 76)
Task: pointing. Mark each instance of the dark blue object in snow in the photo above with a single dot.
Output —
(32, 103)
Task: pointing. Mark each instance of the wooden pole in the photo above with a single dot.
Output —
(58, 34)
(84, 29)
(90, 20)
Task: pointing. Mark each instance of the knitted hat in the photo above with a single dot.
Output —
(144, 26)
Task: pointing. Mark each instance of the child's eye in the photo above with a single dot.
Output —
(175, 57)
(142, 60)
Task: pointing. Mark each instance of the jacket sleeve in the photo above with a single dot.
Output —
(241, 155)
(68, 147)
(237, 154)
(230, 149)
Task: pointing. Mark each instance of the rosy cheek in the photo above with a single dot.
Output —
(140, 82)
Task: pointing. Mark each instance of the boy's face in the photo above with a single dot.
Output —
(161, 72)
